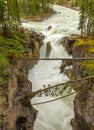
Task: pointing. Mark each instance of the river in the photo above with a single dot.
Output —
(55, 115)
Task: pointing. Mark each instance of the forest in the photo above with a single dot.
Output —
(11, 12)
(15, 44)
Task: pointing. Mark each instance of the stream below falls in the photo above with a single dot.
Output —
(55, 115)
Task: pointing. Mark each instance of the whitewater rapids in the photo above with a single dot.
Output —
(55, 115)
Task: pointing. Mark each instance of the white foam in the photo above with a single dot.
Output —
(55, 115)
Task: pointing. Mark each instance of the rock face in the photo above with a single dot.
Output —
(20, 113)
(64, 64)
(48, 49)
(17, 111)
(84, 99)
(68, 43)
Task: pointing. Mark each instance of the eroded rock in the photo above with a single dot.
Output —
(64, 65)
(48, 49)
(68, 44)
(17, 111)
(84, 100)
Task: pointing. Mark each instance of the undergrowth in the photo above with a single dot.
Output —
(10, 48)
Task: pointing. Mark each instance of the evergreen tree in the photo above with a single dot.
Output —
(9, 16)
(86, 23)
(2, 12)
(34, 7)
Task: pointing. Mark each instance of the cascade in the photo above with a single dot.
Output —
(55, 115)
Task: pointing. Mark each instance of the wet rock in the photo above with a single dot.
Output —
(49, 28)
(48, 49)
(84, 99)
(18, 111)
(35, 41)
(69, 73)
(84, 111)
(68, 43)
(19, 102)
(78, 51)
(38, 36)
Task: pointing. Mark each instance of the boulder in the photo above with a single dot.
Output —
(49, 28)
(68, 43)
(48, 49)
(65, 64)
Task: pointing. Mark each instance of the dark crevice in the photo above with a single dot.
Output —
(21, 123)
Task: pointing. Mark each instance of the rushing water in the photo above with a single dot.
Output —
(55, 115)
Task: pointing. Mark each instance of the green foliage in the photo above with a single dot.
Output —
(88, 66)
(10, 48)
(2, 8)
(3, 61)
(20, 39)
(87, 43)
(33, 7)
(86, 23)
(9, 17)
(4, 64)
(11, 41)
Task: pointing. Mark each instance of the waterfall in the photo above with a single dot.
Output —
(55, 115)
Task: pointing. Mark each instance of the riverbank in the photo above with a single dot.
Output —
(73, 8)
(41, 17)
(16, 92)
(84, 98)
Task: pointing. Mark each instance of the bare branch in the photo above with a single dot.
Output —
(74, 59)
(69, 82)
(54, 99)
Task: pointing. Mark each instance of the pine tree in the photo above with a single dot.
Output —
(33, 7)
(2, 12)
(9, 16)
(86, 23)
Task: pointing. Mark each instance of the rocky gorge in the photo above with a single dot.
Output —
(84, 99)
(16, 110)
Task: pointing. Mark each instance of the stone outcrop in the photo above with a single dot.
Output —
(68, 43)
(48, 49)
(17, 111)
(84, 99)
(64, 65)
